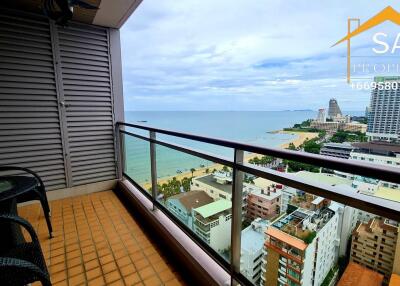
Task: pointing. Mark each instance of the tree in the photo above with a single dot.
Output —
(192, 170)
(311, 146)
(292, 147)
(207, 171)
(225, 169)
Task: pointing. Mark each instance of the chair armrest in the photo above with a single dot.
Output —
(26, 170)
(24, 223)
(22, 270)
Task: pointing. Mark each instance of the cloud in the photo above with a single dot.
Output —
(240, 55)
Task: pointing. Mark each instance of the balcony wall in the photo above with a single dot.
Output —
(60, 95)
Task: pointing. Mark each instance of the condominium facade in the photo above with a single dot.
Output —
(375, 245)
(338, 150)
(212, 223)
(380, 153)
(252, 243)
(336, 125)
(263, 203)
(334, 109)
(301, 248)
(182, 204)
(384, 112)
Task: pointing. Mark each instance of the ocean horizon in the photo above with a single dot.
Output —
(251, 127)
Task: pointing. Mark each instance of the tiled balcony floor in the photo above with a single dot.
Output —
(97, 242)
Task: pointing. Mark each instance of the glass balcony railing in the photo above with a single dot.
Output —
(299, 209)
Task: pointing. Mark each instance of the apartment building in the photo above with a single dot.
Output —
(381, 153)
(384, 113)
(252, 243)
(301, 247)
(263, 203)
(212, 223)
(338, 150)
(334, 126)
(375, 245)
(219, 186)
(181, 205)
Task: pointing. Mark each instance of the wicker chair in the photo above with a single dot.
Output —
(39, 193)
(23, 262)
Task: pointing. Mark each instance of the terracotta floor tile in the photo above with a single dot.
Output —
(132, 279)
(109, 267)
(152, 281)
(97, 242)
(94, 273)
(99, 281)
(77, 280)
(127, 269)
(112, 276)
(146, 272)
(91, 264)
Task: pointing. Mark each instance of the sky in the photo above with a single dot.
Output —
(243, 55)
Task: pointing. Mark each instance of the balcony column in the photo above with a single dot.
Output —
(153, 162)
(237, 198)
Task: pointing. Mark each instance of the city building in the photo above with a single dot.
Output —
(338, 150)
(375, 245)
(302, 247)
(287, 194)
(394, 280)
(383, 115)
(252, 243)
(358, 275)
(212, 223)
(263, 202)
(334, 109)
(181, 205)
(321, 115)
(381, 153)
(384, 112)
(217, 186)
(334, 126)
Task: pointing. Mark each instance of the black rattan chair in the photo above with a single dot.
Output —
(39, 193)
(22, 263)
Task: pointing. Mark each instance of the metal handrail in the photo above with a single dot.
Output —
(378, 206)
(385, 173)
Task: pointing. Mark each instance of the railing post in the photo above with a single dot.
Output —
(153, 163)
(237, 199)
(119, 151)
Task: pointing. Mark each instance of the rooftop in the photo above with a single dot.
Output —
(253, 236)
(282, 236)
(357, 275)
(271, 194)
(192, 199)
(214, 208)
(209, 180)
(329, 179)
(377, 146)
(388, 193)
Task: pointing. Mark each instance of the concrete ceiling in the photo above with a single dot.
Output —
(111, 13)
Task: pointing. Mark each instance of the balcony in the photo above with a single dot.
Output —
(98, 242)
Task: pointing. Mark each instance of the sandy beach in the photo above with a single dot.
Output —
(301, 137)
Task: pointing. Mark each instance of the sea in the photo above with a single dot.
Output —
(252, 127)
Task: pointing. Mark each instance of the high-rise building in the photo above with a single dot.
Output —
(301, 247)
(252, 243)
(321, 115)
(212, 222)
(334, 109)
(375, 245)
(384, 113)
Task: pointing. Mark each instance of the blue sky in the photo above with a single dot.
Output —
(241, 55)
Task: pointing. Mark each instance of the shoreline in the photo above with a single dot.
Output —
(297, 141)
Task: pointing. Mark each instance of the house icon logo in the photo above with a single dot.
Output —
(387, 14)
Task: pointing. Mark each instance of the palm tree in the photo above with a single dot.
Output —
(207, 171)
(192, 170)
